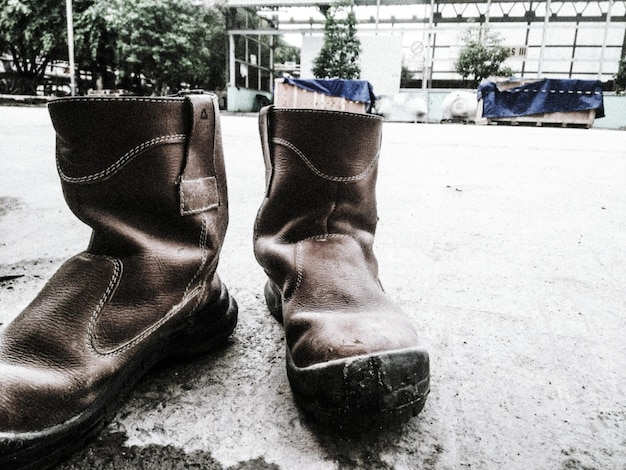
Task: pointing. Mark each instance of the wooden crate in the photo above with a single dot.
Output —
(569, 119)
(291, 96)
(558, 119)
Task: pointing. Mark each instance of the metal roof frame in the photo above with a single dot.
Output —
(436, 14)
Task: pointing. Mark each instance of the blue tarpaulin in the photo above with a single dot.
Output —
(542, 96)
(355, 90)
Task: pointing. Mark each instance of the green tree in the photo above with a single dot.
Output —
(284, 52)
(339, 56)
(96, 34)
(173, 43)
(619, 84)
(482, 55)
(33, 32)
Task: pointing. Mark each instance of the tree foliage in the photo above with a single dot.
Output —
(619, 83)
(339, 56)
(284, 52)
(96, 37)
(174, 42)
(32, 32)
(169, 44)
(482, 55)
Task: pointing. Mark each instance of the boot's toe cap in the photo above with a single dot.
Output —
(317, 337)
(33, 399)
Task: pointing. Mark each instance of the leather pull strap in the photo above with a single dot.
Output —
(264, 132)
(198, 185)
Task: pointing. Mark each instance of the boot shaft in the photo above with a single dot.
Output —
(321, 169)
(139, 171)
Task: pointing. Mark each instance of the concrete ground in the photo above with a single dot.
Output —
(506, 245)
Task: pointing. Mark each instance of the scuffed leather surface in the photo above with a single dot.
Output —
(314, 234)
(148, 265)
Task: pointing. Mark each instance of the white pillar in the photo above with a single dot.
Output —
(546, 20)
(606, 34)
(70, 45)
(231, 60)
(428, 71)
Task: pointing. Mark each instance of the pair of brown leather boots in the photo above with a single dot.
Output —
(147, 174)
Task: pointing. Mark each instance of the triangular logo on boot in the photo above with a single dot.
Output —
(204, 114)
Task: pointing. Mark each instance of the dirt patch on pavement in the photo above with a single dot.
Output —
(20, 283)
(8, 204)
(111, 448)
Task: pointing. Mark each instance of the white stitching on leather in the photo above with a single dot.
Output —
(118, 99)
(328, 111)
(307, 162)
(204, 255)
(328, 235)
(199, 209)
(127, 157)
(189, 293)
(299, 270)
(299, 267)
(118, 268)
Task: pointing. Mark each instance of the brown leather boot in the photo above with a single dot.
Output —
(148, 176)
(351, 352)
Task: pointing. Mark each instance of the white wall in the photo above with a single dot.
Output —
(380, 59)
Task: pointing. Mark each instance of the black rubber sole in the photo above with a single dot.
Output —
(361, 390)
(43, 449)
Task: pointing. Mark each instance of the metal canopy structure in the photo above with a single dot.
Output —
(455, 11)
(556, 38)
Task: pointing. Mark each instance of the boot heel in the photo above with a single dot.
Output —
(208, 328)
(274, 300)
